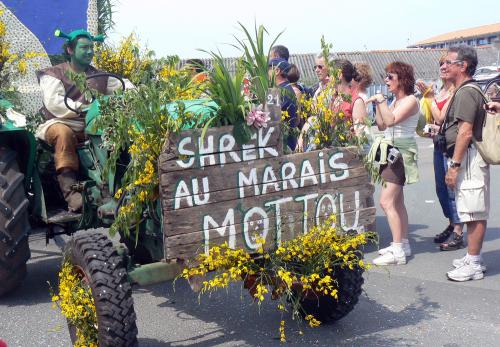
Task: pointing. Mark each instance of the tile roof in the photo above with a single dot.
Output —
(465, 33)
(424, 61)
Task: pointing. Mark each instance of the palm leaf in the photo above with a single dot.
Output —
(256, 59)
(104, 16)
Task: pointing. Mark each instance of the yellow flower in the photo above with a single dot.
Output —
(77, 305)
(308, 260)
(313, 322)
(118, 193)
(282, 331)
(2, 29)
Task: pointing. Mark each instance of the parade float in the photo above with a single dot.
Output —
(193, 179)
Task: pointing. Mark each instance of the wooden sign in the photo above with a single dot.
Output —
(214, 190)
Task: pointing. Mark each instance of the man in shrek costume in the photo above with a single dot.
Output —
(64, 128)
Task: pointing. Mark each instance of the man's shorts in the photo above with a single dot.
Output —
(472, 192)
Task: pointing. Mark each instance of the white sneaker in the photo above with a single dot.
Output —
(461, 262)
(469, 271)
(391, 257)
(406, 249)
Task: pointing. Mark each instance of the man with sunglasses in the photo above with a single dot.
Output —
(321, 70)
(468, 173)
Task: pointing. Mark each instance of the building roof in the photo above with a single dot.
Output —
(460, 34)
(424, 62)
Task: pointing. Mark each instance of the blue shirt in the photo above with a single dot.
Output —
(289, 104)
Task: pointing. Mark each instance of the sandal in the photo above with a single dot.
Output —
(456, 242)
(444, 235)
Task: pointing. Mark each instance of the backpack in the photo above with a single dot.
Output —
(489, 147)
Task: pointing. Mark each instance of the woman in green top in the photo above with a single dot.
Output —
(398, 121)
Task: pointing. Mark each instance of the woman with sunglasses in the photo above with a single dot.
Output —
(398, 121)
(450, 238)
(354, 109)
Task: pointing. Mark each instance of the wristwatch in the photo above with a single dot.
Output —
(454, 164)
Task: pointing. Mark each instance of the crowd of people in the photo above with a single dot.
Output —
(458, 112)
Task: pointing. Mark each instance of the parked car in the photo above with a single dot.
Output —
(486, 72)
(491, 86)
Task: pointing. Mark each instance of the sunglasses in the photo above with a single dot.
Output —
(318, 67)
(452, 62)
(390, 76)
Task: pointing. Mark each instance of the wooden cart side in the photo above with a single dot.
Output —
(230, 193)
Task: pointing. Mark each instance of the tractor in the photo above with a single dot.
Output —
(29, 200)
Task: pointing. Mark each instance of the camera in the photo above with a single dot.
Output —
(393, 155)
(441, 142)
(427, 129)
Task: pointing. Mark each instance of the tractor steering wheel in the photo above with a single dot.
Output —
(102, 74)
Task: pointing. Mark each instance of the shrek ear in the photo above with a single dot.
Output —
(78, 33)
(59, 33)
(98, 38)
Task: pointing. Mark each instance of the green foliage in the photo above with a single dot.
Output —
(225, 90)
(33, 121)
(128, 59)
(104, 16)
(330, 126)
(255, 60)
(138, 122)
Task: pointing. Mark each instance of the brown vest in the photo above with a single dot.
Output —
(59, 71)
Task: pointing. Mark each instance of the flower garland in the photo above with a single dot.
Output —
(298, 268)
(127, 59)
(75, 301)
(11, 64)
(139, 121)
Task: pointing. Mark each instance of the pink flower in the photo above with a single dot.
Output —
(257, 117)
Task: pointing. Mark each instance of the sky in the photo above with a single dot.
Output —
(173, 27)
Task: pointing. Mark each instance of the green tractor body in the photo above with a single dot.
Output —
(46, 206)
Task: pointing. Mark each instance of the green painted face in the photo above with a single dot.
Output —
(83, 52)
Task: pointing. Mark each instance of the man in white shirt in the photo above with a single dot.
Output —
(64, 128)
(321, 70)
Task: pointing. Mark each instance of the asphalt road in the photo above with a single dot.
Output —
(402, 306)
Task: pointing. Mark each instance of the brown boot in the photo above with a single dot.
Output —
(74, 199)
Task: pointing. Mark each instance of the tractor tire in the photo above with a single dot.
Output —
(94, 254)
(14, 223)
(326, 308)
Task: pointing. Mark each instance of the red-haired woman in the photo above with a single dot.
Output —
(399, 121)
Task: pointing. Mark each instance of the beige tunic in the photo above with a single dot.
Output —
(53, 99)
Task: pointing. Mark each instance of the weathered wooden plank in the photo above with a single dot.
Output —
(278, 173)
(358, 176)
(273, 104)
(349, 219)
(218, 147)
(185, 220)
(187, 245)
(169, 163)
(185, 199)
(327, 161)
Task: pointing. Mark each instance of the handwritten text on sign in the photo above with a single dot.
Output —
(216, 190)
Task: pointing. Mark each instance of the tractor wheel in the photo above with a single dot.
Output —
(95, 259)
(14, 225)
(327, 309)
